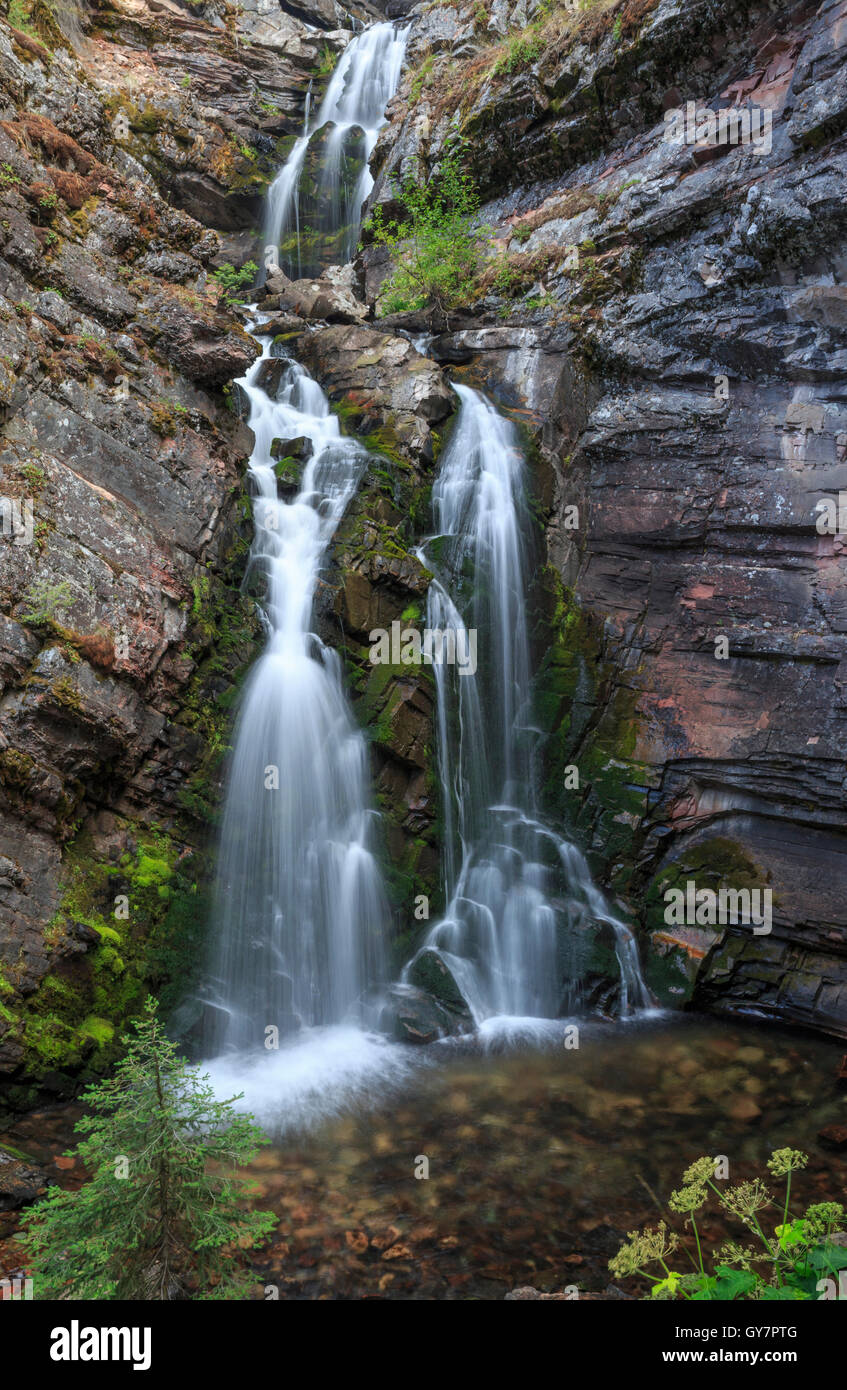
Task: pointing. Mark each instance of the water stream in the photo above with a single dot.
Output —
(300, 910)
(342, 136)
(300, 917)
(515, 888)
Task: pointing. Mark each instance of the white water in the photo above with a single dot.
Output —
(359, 90)
(514, 887)
(319, 1074)
(301, 911)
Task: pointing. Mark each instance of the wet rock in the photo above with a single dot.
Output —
(300, 448)
(430, 973)
(282, 325)
(381, 382)
(411, 1015)
(21, 1182)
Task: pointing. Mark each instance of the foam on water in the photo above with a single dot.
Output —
(322, 1073)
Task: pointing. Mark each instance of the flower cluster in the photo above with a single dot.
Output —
(784, 1161)
(644, 1247)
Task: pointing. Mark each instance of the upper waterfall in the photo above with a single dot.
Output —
(341, 138)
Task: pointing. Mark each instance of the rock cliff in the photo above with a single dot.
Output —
(665, 319)
(671, 316)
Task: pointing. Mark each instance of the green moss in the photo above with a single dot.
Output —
(16, 768)
(716, 863)
(670, 976)
(222, 642)
(98, 1029)
(145, 943)
(589, 718)
(65, 693)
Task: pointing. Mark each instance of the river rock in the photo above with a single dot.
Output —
(430, 973)
(411, 1015)
(833, 1137)
(300, 448)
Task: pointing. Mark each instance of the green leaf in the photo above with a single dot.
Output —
(734, 1283)
(828, 1256)
(794, 1233)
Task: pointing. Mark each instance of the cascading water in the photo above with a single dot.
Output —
(300, 911)
(515, 889)
(300, 904)
(346, 127)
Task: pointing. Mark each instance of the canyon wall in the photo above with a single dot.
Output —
(670, 317)
(665, 321)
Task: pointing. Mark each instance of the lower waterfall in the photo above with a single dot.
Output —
(300, 909)
(515, 888)
(299, 930)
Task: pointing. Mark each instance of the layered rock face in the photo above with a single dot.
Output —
(124, 628)
(124, 632)
(666, 319)
(670, 311)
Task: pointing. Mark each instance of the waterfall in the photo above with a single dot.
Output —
(344, 133)
(300, 907)
(514, 887)
(300, 911)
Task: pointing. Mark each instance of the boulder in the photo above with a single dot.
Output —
(276, 282)
(300, 448)
(429, 972)
(411, 1015)
(382, 383)
(329, 297)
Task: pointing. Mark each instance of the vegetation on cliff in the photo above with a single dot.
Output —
(438, 249)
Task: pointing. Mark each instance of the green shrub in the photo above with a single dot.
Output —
(45, 602)
(232, 280)
(438, 251)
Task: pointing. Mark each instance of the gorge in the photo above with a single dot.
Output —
(361, 884)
